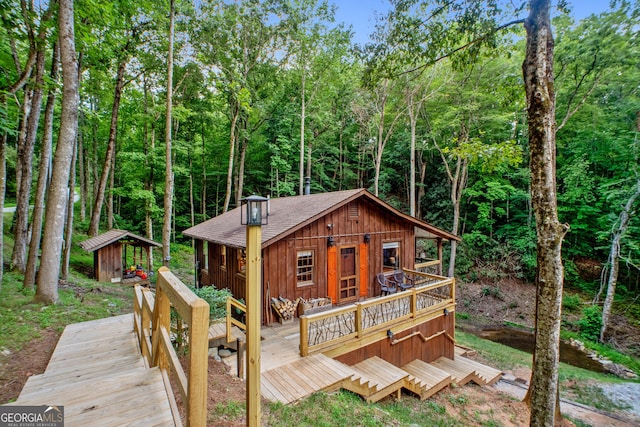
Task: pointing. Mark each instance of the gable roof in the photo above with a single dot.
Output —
(111, 236)
(288, 214)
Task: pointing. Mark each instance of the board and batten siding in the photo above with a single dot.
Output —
(347, 226)
(346, 229)
(109, 262)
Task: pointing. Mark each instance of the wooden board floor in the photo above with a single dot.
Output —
(97, 373)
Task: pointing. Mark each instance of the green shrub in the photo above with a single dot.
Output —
(217, 299)
(590, 323)
(571, 303)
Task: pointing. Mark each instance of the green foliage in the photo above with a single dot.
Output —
(590, 323)
(217, 299)
(80, 300)
(571, 303)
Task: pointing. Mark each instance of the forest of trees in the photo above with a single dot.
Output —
(268, 92)
(265, 93)
(183, 108)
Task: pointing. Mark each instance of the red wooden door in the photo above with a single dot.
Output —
(348, 275)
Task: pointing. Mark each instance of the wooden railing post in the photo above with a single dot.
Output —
(414, 303)
(161, 319)
(358, 320)
(304, 336)
(228, 318)
(198, 364)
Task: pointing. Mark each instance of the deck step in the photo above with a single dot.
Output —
(303, 377)
(425, 380)
(484, 375)
(376, 378)
(464, 370)
(461, 373)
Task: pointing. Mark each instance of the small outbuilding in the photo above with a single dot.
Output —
(112, 252)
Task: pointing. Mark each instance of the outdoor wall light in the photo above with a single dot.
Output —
(446, 312)
(389, 334)
(367, 238)
(254, 211)
(330, 242)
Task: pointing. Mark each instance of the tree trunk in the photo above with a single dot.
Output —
(423, 174)
(168, 192)
(149, 149)
(303, 113)
(242, 156)
(25, 166)
(235, 112)
(47, 290)
(412, 157)
(614, 257)
(192, 208)
(3, 187)
(109, 194)
(43, 179)
(538, 79)
(204, 176)
(68, 235)
(94, 225)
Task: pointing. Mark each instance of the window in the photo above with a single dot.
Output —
(223, 257)
(391, 255)
(242, 261)
(304, 271)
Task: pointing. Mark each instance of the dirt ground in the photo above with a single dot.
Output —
(15, 368)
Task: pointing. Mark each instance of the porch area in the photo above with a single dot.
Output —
(362, 347)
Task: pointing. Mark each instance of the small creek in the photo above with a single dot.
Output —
(523, 340)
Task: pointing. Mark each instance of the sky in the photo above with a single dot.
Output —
(360, 14)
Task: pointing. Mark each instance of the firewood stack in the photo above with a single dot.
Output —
(284, 307)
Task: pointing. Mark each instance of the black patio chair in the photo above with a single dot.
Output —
(387, 285)
(403, 280)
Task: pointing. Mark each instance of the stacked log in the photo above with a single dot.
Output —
(284, 307)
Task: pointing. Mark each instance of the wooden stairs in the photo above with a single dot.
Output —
(464, 370)
(303, 377)
(424, 379)
(375, 378)
(98, 374)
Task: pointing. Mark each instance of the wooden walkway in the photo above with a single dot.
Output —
(97, 373)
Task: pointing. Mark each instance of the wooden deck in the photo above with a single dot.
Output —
(97, 373)
(288, 377)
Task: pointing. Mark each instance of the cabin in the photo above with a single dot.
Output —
(120, 256)
(328, 246)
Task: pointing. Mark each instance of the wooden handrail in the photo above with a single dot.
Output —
(368, 318)
(234, 303)
(152, 318)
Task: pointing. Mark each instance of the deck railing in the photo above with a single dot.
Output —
(429, 267)
(231, 321)
(328, 329)
(152, 322)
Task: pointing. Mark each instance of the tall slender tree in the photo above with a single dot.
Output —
(43, 177)
(47, 287)
(168, 190)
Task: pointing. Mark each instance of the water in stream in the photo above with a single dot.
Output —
(523, 340)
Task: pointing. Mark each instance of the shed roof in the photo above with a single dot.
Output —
(111, 236)
(288, 214)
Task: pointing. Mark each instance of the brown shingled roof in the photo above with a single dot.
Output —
(107, 238)
(288, 214)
